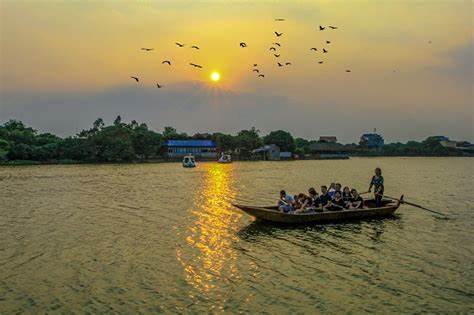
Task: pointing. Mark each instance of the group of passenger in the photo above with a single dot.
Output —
(334, 198)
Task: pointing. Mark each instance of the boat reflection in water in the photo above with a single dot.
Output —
(208, 256)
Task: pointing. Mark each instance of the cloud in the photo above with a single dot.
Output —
(194, 107)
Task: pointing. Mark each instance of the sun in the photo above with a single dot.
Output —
(215, 76)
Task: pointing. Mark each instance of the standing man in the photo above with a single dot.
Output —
(377, 183)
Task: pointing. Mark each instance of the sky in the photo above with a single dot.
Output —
(65, 63)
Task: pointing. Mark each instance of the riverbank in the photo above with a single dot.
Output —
(156, 161)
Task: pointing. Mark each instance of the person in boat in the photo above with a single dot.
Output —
(332, 189)
(346, 194)
(337, 203)
(303, 203)
(313, 194)
(324, 198)
(356, 201)
(337, 188)
(286, 203)
(378, 184)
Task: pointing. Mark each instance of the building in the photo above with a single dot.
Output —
(269, 152)
(323, 150)
(285, 155)
(371, 141)
(198, 148)
(328, 139)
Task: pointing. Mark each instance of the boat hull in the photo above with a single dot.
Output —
(272, 214)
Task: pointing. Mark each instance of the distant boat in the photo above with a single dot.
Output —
(188, 161)
(225, 158)
(369, 211)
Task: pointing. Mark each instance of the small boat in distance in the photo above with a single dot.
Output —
(189, 161)
(225, 158)
(369, 211)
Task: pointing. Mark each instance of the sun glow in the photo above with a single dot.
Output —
(215, 76)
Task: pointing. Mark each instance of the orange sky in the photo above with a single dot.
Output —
(408, 59)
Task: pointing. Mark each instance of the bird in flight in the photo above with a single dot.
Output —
(195, 65)
(348, 70)
(313, 48)
(278, 34)
(261, 76)
(276, 55)
(147, 49)
(321, 28)
(243, 45)
(136, 79)
(324, 51)
(279, 64)
(179, 44)
(159, 86)
(278, 44)
(333, 27)
(195, 47)
(288, 63)
(279, 20)
(256, 70)
(166, 61)
(272, 48)
(328, 42)
(320, 62)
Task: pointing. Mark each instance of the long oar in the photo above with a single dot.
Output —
(415, 205)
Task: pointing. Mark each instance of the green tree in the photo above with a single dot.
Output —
(224, 142)
(281, 138)
(170, 133)
(302, 146)
(4, 149)
(248, 139)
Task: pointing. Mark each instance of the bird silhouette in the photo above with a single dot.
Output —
(256, 70)
(243, 45)
(261, 76)
(279, 20)
(278, 34)
(324, 51)
(179, 44)
(313, 48)
(320, 62)
(276, 55)
(278, 44)
(272, 48)
(288, 63)
(135, 78)
(195, 65)
(147, 49)
(348, 70)
(333, 27)
(279, 64)
(159, 86)
(166, 61)
(321, 28)
(195, 47)
(328, 42)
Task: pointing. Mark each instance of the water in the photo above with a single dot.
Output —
(151, 238)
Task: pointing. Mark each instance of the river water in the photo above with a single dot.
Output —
(157, 238)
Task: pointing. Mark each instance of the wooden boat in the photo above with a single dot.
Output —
(369, 211)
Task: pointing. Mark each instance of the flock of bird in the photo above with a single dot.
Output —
(274, 49)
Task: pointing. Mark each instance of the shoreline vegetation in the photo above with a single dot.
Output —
(135, 143)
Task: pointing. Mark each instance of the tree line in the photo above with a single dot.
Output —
(127, 142)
